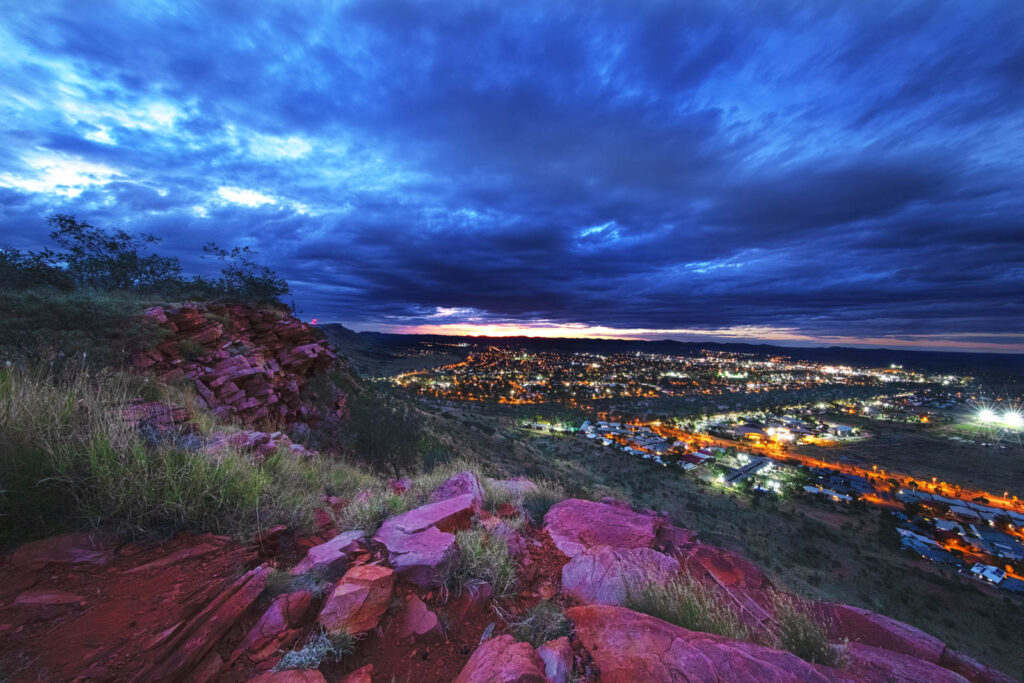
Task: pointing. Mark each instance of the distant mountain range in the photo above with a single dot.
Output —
(999, 368)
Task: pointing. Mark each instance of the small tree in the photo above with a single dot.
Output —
(243, 277)
(109, 259)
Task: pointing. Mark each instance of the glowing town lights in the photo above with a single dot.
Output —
(986, 415)
(1013, 419)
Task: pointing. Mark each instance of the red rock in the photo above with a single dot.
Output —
(877, 664)
(330, 556)
(471, 602)
(452, 514)
(628, 646)
(421, 558)
(42, 596)
(463, 483)
(399, 485)
(673, 539)
(290, 676)
(519, 486)
(575, 525)
(76, 548)
(867, 628)
(971, 669)
(604, 575)
(417, 620)
(503, 660)
(728, 569)
(277, 628)
(360, 675)
(359, 600)
(557, 658)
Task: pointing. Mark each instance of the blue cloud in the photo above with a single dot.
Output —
(846, 169)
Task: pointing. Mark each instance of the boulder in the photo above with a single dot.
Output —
(463, 483)
(628, 646)
(867, 628)
(557, 658)
(451, 514)
(290, 676)
(423, 558)
(503, 660)
(472, 602)
(76, 548)
(728, 569)
(277, 628)
(971, 669)
(418, 621)
(359, 600)
(330, 556)
(672, 539)
(360, 675)
(519, 486)
(603, 575)
(877, 664)
(575, 525)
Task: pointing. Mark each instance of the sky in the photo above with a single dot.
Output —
(808, 173)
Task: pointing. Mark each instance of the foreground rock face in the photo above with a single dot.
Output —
(628, 646)
(277, 628)
(503, 660)
(575, 525)
(605, 575)
(877, 664)
(246, 363)
(867, 628)
(359, 600)
(463, 483)
(78, 548)
(557, 658)
(419, 542)
(330, 556)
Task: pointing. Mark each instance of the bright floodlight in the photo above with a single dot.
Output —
(986, 415)
(1013, 419)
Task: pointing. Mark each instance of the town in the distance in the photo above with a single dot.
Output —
(932, 451)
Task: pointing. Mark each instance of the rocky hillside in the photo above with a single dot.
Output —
(476, 580)
(247, 364)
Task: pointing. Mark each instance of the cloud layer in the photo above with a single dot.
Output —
(845, 171)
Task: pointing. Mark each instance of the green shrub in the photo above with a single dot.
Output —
(484, 558)
(322, 647)
(543, 622)
(687, 602)
(801, 631)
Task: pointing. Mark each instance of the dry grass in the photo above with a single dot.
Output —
(483, 558)
(687, 602)
(801, 632)
(68, 460)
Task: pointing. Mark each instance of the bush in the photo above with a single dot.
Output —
(484, 558)
(686, 602)
(69, 460)
(537, 503)
(321, 648)
(543, 622)
(801, 632)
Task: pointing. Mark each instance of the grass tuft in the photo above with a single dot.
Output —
(687, 602)
(484, 558)
(543, 622)
(322, 647)
(801, 631)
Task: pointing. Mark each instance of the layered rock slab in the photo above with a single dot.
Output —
(605, 575)
(628, 646)
(359, 600)
(575, 525)
(503, 660)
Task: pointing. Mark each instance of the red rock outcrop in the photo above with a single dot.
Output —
(557, 658)
(247, 364)
(628, 646)
(463, 483)
(359, 600)
(878, 664)
(278, 628)
(503, 660)
(575, 525)
(604, 575)
(867, 628)
(330, 556)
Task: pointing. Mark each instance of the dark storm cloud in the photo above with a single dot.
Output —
(836, 170)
